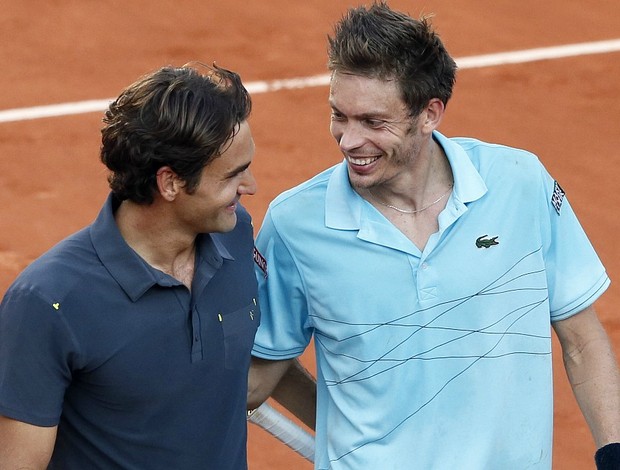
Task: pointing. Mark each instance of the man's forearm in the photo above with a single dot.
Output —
(297, 393)
(596, 384)
(263, 378)
(593, 373)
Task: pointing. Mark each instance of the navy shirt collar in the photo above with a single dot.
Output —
(130, 271)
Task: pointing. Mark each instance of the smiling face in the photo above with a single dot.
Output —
(374, 130)
(211, 207)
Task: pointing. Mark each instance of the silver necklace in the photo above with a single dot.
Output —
(406, 211)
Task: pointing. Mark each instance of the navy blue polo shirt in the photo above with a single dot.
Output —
(137, 371)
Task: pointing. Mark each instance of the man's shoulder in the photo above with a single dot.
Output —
(299, 210)
(61, 268)
(479, 150)
(494, 161)
(311, 190)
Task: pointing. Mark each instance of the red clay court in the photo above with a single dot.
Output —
(562, 104)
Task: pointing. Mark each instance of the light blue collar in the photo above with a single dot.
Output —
(344, 208)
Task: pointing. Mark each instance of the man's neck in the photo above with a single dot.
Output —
(151, 233)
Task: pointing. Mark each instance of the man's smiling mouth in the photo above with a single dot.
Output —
(361, 161)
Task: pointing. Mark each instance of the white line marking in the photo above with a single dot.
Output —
(36, 112)
(488, 60)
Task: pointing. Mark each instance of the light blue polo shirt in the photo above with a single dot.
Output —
(436, 359)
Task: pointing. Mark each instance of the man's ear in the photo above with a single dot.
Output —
(168, 183)
(433, 113)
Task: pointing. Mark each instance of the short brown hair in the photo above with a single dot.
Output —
(382, 43)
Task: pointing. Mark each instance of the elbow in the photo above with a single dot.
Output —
(263, 378)
(259, 388)
(253, 404)
(256, 395)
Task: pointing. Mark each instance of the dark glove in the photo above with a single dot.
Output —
(608, 457)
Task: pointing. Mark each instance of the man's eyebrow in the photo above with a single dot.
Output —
(370, 115)
(375, 114)
(237, 170)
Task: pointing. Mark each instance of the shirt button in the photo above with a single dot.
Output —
(424, 266)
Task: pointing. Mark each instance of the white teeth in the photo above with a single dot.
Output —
(361, 161)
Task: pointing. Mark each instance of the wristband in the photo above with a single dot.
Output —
(608, 457)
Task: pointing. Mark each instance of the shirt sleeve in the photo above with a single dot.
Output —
(576, 276)
(284, 331)
(34, 352)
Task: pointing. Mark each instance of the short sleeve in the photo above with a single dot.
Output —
(34, 357)
(575, 275)
(284, 331)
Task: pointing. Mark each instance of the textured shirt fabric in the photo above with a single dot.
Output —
(435, 359)
(137, 371)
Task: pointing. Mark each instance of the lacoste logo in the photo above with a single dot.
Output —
(484, 242)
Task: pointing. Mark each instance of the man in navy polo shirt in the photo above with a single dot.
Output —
(128, 344)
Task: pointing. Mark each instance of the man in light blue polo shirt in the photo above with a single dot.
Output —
(429, 272)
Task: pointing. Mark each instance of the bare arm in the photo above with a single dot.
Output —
(593, 373)
(297, 393)
(263, 378)
(24, 446)
(288, 382)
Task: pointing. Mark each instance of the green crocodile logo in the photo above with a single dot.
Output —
(484, 242)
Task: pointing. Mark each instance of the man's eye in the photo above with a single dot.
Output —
(238, 173)
(374, 123)
(337, 117)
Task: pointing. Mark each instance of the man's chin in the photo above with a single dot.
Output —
(229, 224)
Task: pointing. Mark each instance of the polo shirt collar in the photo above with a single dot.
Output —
(344, 207)
(468, 184)
(131, 272)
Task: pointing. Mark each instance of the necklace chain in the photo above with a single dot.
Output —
(406, 211)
